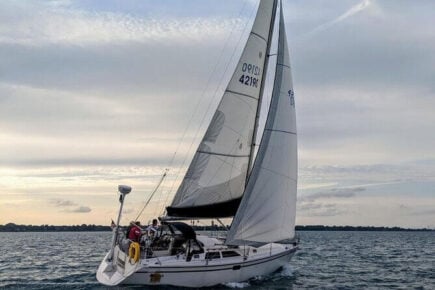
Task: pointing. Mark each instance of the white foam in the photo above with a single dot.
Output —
(287, 271)
(237, 285)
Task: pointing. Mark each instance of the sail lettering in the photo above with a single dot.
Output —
(251, 69)
(249, 81)
(250, 74)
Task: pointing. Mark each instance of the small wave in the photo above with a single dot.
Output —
(287, 271)
(237, 285)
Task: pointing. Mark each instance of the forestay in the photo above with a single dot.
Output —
(216, 178)
(267, 210)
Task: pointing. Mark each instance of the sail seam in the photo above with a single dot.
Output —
(281, 131)
(277, 173)
(281, 64)
(242, 94)
(258, 35)
(221, 154)
(228, 163)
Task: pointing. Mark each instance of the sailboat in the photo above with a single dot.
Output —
(226, 179)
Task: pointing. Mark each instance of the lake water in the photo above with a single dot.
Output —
(327, 260)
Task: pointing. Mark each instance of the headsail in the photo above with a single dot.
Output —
(267, 210)
(216, 178)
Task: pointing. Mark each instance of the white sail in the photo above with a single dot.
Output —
(216, 178)
(267, 210)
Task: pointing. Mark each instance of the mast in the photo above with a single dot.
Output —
(263, 81)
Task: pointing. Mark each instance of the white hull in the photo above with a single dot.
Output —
(197, 272)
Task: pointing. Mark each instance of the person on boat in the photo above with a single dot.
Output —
(152, 229)
(135, 232)
(127, 231)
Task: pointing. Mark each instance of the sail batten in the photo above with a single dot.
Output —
(221, 154)
(280, 131)
(253, 33)
(241, 94)
(217, 173)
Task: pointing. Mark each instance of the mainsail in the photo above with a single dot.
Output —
(267, 210)
(216, 178)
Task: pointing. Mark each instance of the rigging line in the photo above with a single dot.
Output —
(156, 211)
(206, 87)
(222, 224)
(199, 102)
(214, 96)
(152, 194)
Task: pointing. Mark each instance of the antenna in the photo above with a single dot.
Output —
(123, 190)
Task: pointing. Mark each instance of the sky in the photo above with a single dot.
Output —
(99, 93)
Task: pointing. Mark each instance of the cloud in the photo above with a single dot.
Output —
(363, 5)
(425, 212)
(422, 211)
(62, 203)
(87, 90)
(50, 162)
(80, 209)
(42, 25)
(326, 203)
(130, 211)
(333, 193)
(404, 207)
(373, 175)
(320, 209)
(70, 206)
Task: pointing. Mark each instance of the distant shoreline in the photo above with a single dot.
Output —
(11, 227)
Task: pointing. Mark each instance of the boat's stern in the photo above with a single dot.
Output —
(112, 272)
(107, 273)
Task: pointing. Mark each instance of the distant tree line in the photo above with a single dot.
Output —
(358, 228)
(331, 228)
(11, 227)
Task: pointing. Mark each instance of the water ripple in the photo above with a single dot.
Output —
(327, 260)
